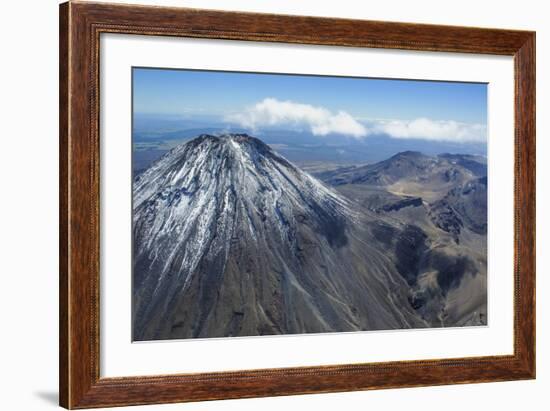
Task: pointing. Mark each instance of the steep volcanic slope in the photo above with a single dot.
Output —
(232, 239)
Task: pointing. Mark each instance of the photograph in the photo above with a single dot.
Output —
(275, 204)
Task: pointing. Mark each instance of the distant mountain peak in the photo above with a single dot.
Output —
(237, 157)
(412, 166)
(233, 141)
(241, 137)
(408, 153)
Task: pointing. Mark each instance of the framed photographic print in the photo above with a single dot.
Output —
(258, 205)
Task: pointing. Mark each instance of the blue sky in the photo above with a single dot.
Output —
(325, 104)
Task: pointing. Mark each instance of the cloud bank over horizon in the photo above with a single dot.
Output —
(320, 121)
(427, 129)
(271, 112)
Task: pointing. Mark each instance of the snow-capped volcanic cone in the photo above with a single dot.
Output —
(232, 239)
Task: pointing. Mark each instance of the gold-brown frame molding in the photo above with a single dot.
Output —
(81, 24)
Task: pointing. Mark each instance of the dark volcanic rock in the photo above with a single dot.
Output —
(451, 269)
(410, 248)
(465, 205)
(398, 205)
(445, 217)
(408, 245)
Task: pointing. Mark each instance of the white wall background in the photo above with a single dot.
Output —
(29, 189)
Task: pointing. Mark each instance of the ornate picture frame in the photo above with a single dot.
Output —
(81, 25)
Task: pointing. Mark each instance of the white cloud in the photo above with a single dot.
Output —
(424, 128)
(320, 121)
